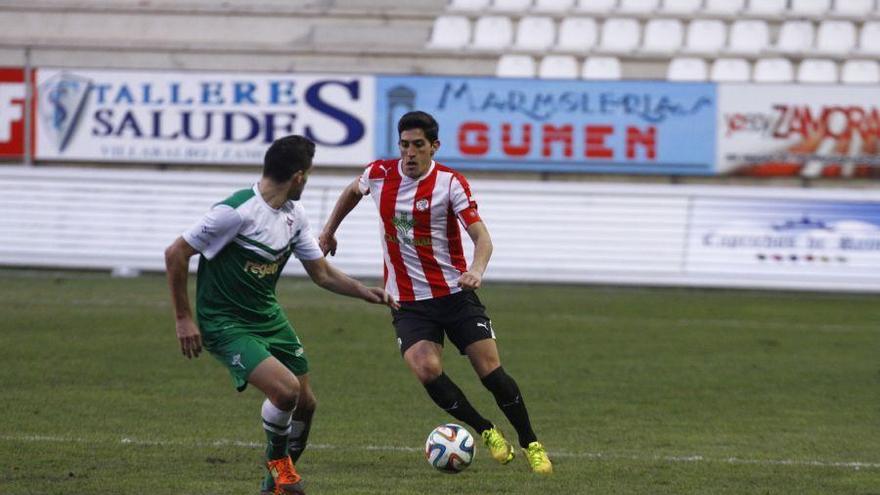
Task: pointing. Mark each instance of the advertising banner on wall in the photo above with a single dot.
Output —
(785, 238)
(199, 118)
(799, 131)
(631, 127)
(12, 113)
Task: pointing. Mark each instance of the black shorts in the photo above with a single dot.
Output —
(461, 316)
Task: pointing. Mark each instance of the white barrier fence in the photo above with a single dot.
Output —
(706, 236)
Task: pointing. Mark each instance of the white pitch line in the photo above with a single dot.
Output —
(856, 465)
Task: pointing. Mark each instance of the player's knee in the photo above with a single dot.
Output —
(307, 402)
(285, 395)
(427, 371)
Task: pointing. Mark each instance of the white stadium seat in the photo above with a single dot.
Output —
(748, 37)
(852, 8)
(869, 38)
(468, 5)
(558, 67)
(552, 6)
(773, 70)
(860, 72)
(596, 6)
(638, 6)
(724, 7)
(687, 69)
(514, 65)
(511, 6)
(795, 37)
(535, 34)
(766, 8)
(730, 70)
(817, 71)
(450, 32)
(809, 8)
(492, 32)
(663, 36)
(836, 37)
(681, 7)
(601, 68)
(705, 36)
(577, 34)
(619, 35)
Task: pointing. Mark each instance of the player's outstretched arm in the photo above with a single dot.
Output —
(335, 280)
(349, 198)
(473, 278)
(177, 257)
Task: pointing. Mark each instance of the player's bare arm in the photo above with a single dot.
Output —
(177, 257)
(331, 278)
(349, 198)
(473, 278)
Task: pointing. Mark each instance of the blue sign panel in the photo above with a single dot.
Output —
(631, 127)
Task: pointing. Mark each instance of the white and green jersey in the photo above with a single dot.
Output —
(244, 245)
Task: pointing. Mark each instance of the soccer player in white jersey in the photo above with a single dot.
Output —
(421, 203)
(244, 242)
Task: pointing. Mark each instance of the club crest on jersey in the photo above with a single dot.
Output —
(422, 204)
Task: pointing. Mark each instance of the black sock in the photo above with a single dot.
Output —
(510, 401)
(299, 434)
(451, 399)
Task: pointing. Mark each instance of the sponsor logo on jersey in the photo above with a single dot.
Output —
(405, 225)
(261, 269)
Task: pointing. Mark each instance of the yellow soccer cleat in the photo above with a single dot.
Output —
(538, 460)
(498, 446)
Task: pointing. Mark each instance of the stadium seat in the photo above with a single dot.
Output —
(836, 37)
(766, 8)
(705, 36)
(638, 6)
(535, 34)
(577, 34)
(687, 69)
(869, 38)
(492, 32)
(468, 5)
(724, 7)
(513, 65)
(619, 35)
(730, 70)
(857, 9)
(601, 68)
(510, 6)
(681, 7)
(558, 67)
(860, 72)
(809, 8)
(773, 70)
(748, 37)
(795, 37)
(817, 71)
(596, 6)
(450, 32)
(663, 36)
(552, 6)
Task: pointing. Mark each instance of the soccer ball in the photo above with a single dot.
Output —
(450, 448)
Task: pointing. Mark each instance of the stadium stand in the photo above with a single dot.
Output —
(514, 65)
(860, 72)
(687, 69)
(558, 67)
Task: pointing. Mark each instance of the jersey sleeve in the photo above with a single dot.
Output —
(462, 201)
(214, 231)
(364, 180)
(305, 245)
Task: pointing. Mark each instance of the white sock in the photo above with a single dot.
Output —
(274, 419)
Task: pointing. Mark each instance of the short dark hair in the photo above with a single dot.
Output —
(287, 156)
(419, 120)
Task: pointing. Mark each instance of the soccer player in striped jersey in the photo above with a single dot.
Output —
(421, 203)
(244, 242)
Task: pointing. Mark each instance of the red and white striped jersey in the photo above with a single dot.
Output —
(421, 240)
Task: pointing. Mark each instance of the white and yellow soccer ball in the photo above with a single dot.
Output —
(450, 448)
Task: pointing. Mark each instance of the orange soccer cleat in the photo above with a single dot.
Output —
(287, 481)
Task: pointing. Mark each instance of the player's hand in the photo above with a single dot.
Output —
(379, 296)
(327, 243)
(190, 338)
(470, 280)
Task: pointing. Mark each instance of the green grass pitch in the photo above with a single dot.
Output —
(633, 391)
